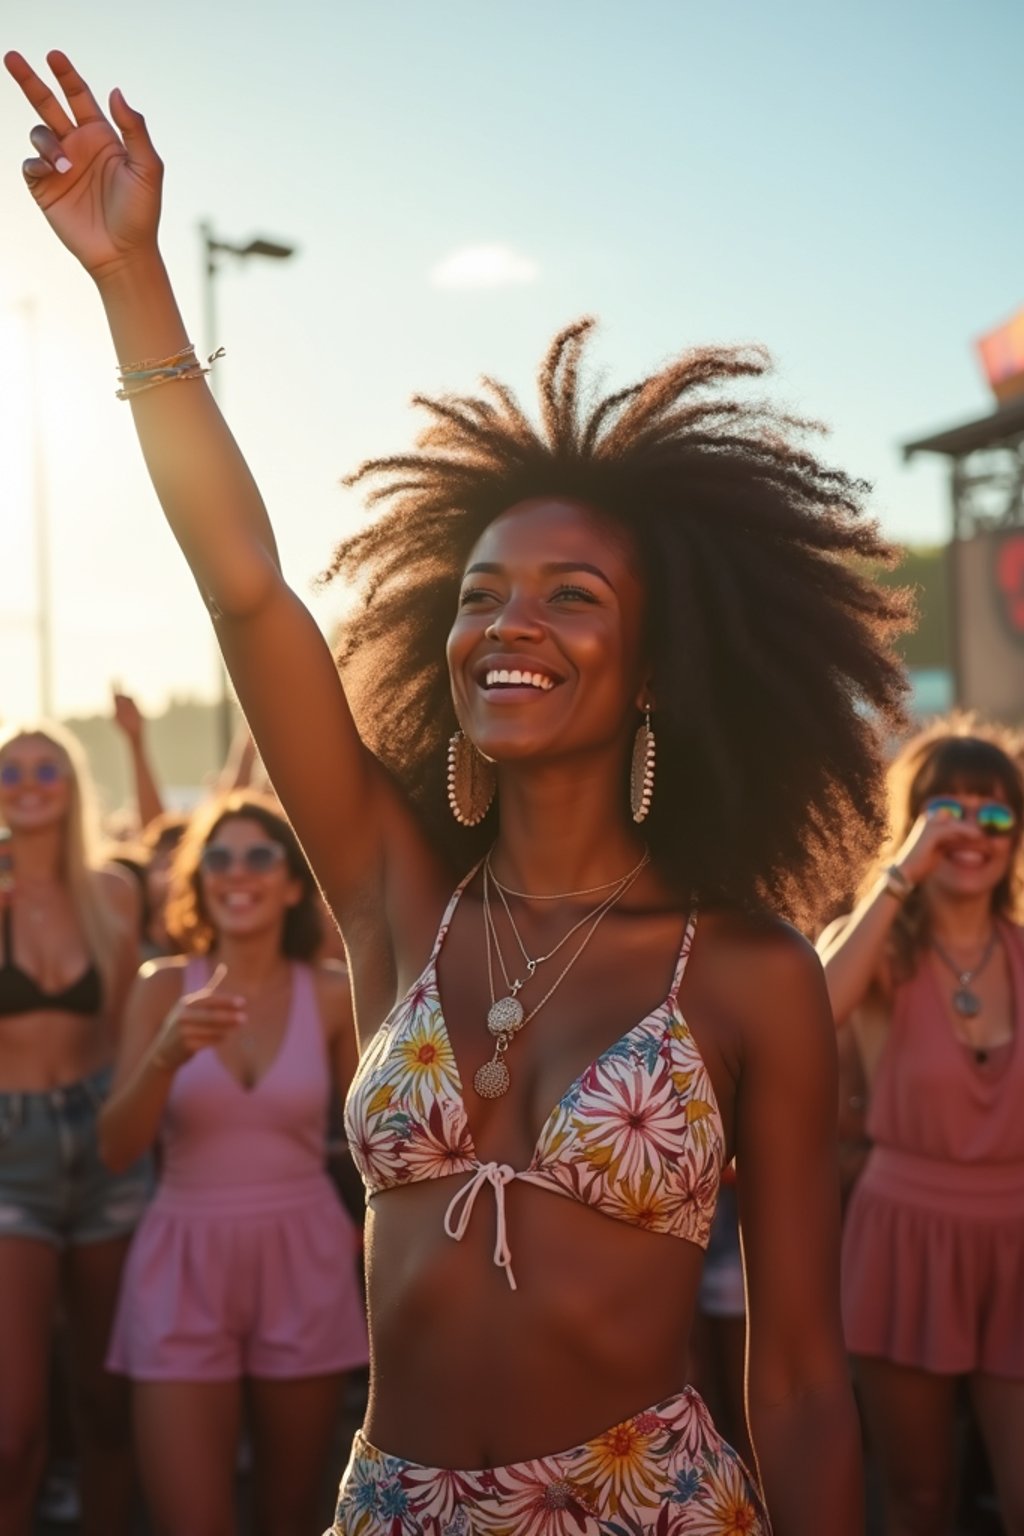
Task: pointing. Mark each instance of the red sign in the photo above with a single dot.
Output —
(1009, 580)
(1002, 357)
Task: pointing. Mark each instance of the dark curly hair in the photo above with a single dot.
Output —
(772, 676)
(187, 920)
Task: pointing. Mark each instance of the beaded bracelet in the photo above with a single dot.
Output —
(895, 882)
(136, 378)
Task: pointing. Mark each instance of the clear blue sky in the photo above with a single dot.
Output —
(838, 181)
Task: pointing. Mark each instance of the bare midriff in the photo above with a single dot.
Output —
(49, 1049)
(468, 1373)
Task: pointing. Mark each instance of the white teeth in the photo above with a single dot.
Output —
(515, 678)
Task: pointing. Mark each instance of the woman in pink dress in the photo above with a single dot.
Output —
(243, 1276)
(928, 971)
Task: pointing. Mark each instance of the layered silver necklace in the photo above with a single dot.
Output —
(506, 1015)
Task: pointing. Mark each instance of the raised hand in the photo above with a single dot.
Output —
(198, 1020)
(98, 183)
(929, 839)
(127, 715)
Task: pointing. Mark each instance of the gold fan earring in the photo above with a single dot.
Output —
(471, 781)
(641, 774)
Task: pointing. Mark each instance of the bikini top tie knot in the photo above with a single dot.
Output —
(497, 1174)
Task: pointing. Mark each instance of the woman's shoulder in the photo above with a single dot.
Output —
(762, 974)
(116, 887)
(762, 942)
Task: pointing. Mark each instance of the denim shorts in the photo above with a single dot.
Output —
(53, 1185)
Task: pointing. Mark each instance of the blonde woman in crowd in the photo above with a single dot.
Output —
(928, 972)
(68, 951)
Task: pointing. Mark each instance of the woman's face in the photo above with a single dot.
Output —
(972, 862)
(546, 652)
(35, 784)
(246, 885)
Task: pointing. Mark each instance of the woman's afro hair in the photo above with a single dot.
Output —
(772, 677)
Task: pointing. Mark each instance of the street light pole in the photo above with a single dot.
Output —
(40, 519)
(274, 250)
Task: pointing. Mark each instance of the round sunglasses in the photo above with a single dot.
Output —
(991, 817)
(46, 771)
(257, 859)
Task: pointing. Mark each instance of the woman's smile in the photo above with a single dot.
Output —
(545, 648)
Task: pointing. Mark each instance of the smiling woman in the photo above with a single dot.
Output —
(631, 649)
(928, 973)
(243, 1272)
(67, 956)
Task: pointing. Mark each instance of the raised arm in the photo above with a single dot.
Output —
(240, 763)
(99, 185)
(852, 949)
(130, 722)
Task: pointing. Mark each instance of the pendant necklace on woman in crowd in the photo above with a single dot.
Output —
(506, 1015)
(966, 1001)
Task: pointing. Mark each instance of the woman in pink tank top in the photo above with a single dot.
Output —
(243, 1274)
(929, 973)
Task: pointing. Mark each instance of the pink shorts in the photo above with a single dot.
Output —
(227, 1283)
(933, 1265)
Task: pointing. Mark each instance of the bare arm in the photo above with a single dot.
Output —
(129, 721)
(852, 949)
(162, 1031)
(803, 1422)
(105, 208)
(239, 764)
(121, 893)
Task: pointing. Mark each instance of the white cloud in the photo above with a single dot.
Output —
(484, 266)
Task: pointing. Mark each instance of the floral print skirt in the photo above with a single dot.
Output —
(666, 1471)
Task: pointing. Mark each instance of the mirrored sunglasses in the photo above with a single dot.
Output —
(991, 817)
(257, 859)
(46, 771)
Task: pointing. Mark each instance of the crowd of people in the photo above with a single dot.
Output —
(614, 706)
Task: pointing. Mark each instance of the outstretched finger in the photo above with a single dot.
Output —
(39, 94)
(80, 99)
(213, 998)
(215, 980)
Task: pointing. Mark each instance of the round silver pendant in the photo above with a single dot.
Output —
(505, 1016)
(966, 1003)
(492, 1079)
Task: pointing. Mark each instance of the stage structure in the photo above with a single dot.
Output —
(986, 550)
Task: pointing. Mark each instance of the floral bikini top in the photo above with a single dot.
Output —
(638, 1135)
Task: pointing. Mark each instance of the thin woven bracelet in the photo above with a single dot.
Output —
(149, 364)
(180, 365)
